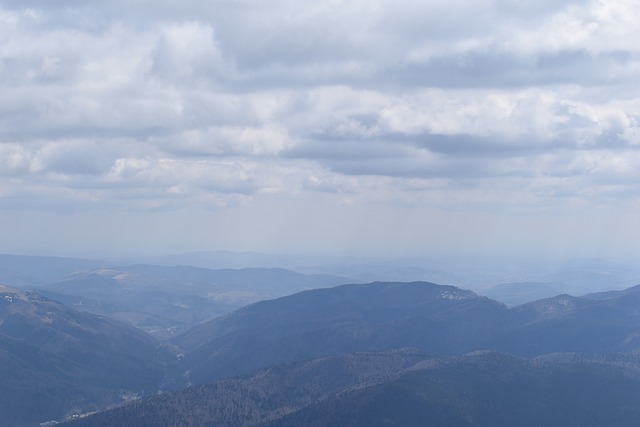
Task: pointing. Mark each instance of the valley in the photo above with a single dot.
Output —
(157, 345)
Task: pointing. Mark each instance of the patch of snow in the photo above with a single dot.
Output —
(452, 295)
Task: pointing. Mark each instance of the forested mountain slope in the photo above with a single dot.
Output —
(56, 361)
(379, 316)
(404, 388)
(340, 320)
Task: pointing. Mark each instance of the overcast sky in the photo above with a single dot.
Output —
(416, 127)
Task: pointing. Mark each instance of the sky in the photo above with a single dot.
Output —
(407, 128)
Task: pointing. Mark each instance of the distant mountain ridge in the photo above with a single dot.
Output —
(607, 295)
(512, 281)
(164, 300)
(30, 271)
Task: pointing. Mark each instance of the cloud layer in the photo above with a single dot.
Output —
(503, 106)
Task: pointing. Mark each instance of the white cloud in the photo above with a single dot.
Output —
(13, 159)
(186, 53)
(161, 105)
(595, 26)
(266, 140)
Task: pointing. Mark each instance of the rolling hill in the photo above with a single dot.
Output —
(166, 300)
(30, 271)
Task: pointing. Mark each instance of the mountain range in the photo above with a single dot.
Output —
(383, 339)
(379, 316)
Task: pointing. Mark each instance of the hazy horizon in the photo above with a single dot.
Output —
(371, 128)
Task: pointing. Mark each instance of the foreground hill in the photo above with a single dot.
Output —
(345, 319)
(404, 388)
(266, 395)
(55, 360)
(487, 390)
